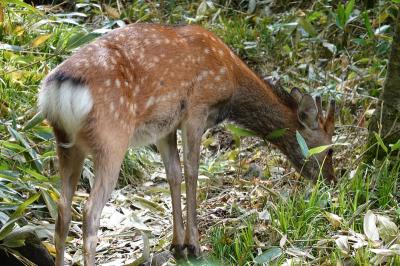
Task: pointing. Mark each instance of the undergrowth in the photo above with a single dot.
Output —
(320, 47)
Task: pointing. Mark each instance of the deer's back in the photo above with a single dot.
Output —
(146, 79)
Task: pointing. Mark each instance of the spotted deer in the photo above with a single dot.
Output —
(138, 85)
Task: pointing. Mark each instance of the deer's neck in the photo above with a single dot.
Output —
(260, 108)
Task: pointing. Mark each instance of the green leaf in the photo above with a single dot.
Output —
(21, 208)
(268, 255)
(317, 150)
(79, 39)
(8, 227)
(395, 146)
(368, 25)
(31, 151)
(17, 237)
(25, 5)
(13, 243)
(12, 146)
(276, 134)
(349, 9)
(36, 119)
(340, 16)
(380, 142)
(34, 173)
(308, 27)
(303, 145)
(50, 203)
(240, 132)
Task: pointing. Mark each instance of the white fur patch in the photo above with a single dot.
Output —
(65, 105)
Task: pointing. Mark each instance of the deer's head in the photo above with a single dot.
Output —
(317, 130)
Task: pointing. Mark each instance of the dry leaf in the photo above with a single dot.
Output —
(50, 247)
(384, 251)
(296, 252)
(370, 229)
(39, 40)
(386, 228)
(111, 12)
(293, 262)
(343, 244)
(334, 219)
(264, 216)
(283, 240)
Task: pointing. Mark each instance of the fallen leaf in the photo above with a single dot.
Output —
(386, 228)
(50, 247)
(343, 244)
(370, 229)
(335, 220)
(283, 241)
(385, 251)
(39, 40)
(296, 252)
(264, 215)
(268, 255)
(111, 12)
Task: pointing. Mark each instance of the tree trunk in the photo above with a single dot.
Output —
(386, 119)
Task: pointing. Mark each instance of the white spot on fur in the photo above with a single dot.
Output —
(206, 50)
(136, 91)
(108, 83)
(118, 83)
(112, 107)
(150, 102)
(121, 100)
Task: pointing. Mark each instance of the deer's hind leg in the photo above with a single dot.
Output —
(108, 158)
(71, 163)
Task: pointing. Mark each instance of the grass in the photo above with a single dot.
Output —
(299, 220)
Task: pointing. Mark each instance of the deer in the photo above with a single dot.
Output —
(139, 85)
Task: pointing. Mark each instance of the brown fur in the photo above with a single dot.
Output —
(146, 82)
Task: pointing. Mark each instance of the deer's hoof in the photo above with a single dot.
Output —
(193, 251)
(178, 251)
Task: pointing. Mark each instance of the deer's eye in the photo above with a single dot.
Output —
(330, 152)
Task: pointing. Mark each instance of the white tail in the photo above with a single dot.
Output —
(139, 85)
(65, 104)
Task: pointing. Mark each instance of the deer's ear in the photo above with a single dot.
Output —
(307, 112)
(330, 118)
(296, 94)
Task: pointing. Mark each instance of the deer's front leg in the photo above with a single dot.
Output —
(169, 153)
(192, 132)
